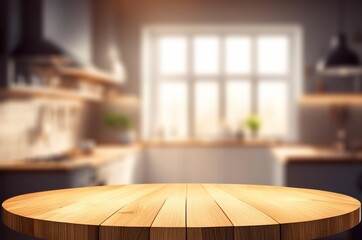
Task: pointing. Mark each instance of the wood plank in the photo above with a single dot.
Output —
(170, 223)
(303, 214)
(31, 205)
(89, 74)
(249, 222)
(19, 212)
(47, 92)
(104, 201)
(77, 215)
(134, 220)
(205, 219)
(331, 99)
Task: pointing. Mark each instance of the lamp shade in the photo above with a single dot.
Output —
(341, 55)
(341, 59)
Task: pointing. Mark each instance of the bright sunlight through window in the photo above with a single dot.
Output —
(200, 82)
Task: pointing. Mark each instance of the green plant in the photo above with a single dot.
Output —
(117, 121)
(253, 123)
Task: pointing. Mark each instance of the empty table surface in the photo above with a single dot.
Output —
(180, 212)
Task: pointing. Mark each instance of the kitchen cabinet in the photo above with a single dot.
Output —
(164, 165)
(340, 177)
(126, 170)
(204, 165)
(249, 165)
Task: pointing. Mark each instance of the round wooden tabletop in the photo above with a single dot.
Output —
(180, 212)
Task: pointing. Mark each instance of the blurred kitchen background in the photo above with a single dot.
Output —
(100, 92)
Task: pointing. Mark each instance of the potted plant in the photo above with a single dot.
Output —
(253, 124)
(121, 123)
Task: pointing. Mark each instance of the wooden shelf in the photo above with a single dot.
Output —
(49, 92)
(342, 72)
(89, 74)
(123, 99)
(332, 99)
(100, 156)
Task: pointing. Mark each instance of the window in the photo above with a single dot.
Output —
(198, 79)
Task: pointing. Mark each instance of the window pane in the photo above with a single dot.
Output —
(206, 109)
(238, 103)
(172, 52)
(206, 55)
(173, 110)
(238, 55)
(273, 55)
(273, 108)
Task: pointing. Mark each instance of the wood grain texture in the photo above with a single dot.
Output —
(301, 213)
(170, 222)
(180, 212)
(205, 219)
(77, 213)
(253, 223)
(136, 216)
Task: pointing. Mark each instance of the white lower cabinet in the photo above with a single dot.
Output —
(209, 165)
(126, 170)
(248, 166)
(164, 165)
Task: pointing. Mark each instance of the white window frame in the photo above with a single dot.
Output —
(148, 72)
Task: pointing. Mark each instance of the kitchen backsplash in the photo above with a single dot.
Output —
(31, 129)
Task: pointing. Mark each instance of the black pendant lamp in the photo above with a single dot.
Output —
(341, 59)
(341, 54)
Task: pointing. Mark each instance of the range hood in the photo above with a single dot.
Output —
(33, 43)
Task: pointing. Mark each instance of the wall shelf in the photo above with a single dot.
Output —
(342, 73)
(332, 99)
(122, 98)
(89, 74)
(23, 91)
